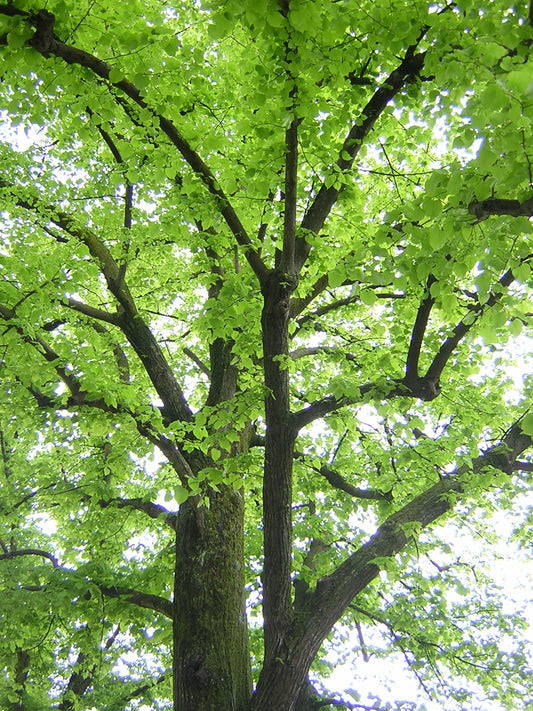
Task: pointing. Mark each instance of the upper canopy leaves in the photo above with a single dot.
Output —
(159, 166)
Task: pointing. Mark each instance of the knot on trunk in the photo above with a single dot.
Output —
(44, 31)
(277, 291)
(426, 389)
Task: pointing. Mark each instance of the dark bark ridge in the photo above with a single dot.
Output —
(482, 209)
(279, 452)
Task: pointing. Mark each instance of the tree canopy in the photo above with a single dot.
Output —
(266, 368)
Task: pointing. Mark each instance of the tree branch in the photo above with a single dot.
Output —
(425, 387)
(155, 511)
(223, 372)
(461, 329)
(498, 206)
(339, 482)
(313, 350)
(419, 330)
(22, 670)
(197, 361)
(79, 397)
(128, 319)
(77, 685)
(46, 42)
(406, 72)
(326, 604)
(15, 553)
(121, 358)
(90, 311)
(145, 600)
(128, 194)
(321, 284)
(291, 156)
(324, 406)
(291, 177)
(50, 355)
(140, 690)
(167, 447)
(333, 477)
(299, 304)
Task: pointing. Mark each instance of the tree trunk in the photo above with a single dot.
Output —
(211, 656)
(277, 479)
(277, 492)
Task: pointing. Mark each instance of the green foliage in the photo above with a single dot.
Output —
(90, 457)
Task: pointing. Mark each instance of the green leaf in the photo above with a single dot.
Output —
(437, 237)
(181, 494)
(222, 379)
(116, 75)
(19, 35)
(368, 296)
(526, 424)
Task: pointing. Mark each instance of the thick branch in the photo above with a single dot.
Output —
(299, 304)
(175, 406)
(461, 329)
(405, 73)
(30, 551)
(291, 157)
(333, 477)
(50, 355)
(323, 607)
(79, 398)
(135, 597)
(77, 685)
(339, 482)
(321, 408)
(197, 361)
(145, 600)
(313, 350)
(223, 371)
(419, 329)
(129, 320)
(155, 511)
(90, 311)
(141, 690)
(289, 218)
(277, 479)
(22, 670)
(498, 206)
(45, 42)
(128, 195)
(425, 387)
(358, 570)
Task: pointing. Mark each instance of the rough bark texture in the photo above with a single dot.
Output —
(277, 485)
(211, 657)
(277, 488)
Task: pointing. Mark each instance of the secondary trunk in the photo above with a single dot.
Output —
(277, 492)
(211, 657)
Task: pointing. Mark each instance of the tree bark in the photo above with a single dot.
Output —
(211, 656)
(277, 483)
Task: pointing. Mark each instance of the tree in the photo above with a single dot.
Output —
(265, 269)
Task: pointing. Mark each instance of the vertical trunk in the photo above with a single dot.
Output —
(211, 657)
(277, 484)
